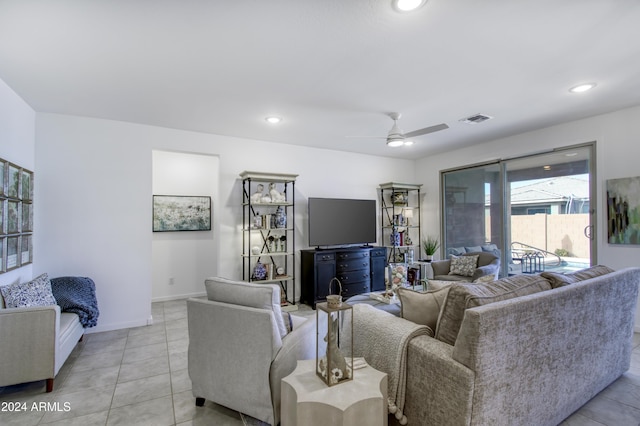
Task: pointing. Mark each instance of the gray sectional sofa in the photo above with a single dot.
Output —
(526, 350)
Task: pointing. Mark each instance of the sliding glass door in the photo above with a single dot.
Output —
(535, 212)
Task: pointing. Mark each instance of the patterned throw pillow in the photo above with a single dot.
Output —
(463, 265)
(485, 279)
(36, 292)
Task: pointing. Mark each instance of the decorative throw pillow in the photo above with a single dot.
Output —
(560, 280)
(422, 308)
(288, 322)
(36, 292)
(464, 296)
(463, 265)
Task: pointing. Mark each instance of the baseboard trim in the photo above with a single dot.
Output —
(177, 297)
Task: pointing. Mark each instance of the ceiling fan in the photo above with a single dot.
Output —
(397, 138)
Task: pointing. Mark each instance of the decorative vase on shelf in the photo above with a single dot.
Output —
(280, 218)
(259, 271)
(394, 239)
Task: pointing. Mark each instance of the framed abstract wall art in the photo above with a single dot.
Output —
(181, 213)
(623, 210)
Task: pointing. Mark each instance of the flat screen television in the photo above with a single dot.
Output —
(337, 222)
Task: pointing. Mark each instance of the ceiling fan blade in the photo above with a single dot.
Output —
(426, 130)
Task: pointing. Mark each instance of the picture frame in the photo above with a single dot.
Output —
(27, 217)
(13, 216)
(13, 181)
(181, 213)
(623, 211)
(2, 221)
(12, 259)
(3, 180)
(2, 251)
(26, 250)
(26, 189)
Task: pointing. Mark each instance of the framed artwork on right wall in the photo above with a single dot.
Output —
(623, 211)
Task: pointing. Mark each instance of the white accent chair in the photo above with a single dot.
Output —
(240, 348)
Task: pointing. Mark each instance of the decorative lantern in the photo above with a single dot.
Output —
(334, 364)
(539, 262)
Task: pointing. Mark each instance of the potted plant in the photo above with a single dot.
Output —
(430, 245)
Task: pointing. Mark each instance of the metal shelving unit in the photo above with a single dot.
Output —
(400, 220)
(267, 240)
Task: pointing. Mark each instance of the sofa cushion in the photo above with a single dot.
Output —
(36, 292)
(261, 296)
(472, 249)
(463, 265)
(464, 296)
(422, 308)
(560, 280)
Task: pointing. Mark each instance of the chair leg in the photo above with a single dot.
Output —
(49, 385)
(199, 402)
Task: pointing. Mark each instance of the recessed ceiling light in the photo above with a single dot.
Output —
(273, 119)
(407, 5)
(547, 167)
(582, 87)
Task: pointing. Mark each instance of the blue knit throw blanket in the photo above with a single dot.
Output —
(77, 295)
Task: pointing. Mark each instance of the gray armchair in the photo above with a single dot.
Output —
(488, 264)
(240, 346)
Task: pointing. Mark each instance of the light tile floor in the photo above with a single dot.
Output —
(139, 376)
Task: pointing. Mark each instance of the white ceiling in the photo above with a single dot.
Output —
(330, 68)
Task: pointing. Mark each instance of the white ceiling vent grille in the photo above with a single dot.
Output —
(476, 118)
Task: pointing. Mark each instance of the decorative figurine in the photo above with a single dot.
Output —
(256, 197)
(276, 196)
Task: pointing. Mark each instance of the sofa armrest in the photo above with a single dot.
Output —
(439, 389)
(441, 267)
(28, 339)
(299, 344)
(481, 271)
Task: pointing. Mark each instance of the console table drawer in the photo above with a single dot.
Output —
(351, 277)
(351, 255)
(355, 288)
(353, 264)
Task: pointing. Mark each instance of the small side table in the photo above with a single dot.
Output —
(426, 270)
(306, 401)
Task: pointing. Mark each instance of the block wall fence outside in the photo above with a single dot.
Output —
(552, 231)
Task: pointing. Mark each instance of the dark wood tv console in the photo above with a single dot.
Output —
(359, 269)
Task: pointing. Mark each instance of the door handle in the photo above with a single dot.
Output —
(588, 232)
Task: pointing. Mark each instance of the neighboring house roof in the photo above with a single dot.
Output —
(552, 190)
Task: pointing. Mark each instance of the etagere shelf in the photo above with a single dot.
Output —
(268, 228)
(400, 221)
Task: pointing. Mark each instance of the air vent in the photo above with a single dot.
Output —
(475, 119)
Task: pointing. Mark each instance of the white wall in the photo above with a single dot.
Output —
(17, 144)
(617, 152)
(181, 259)
(94, 214)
